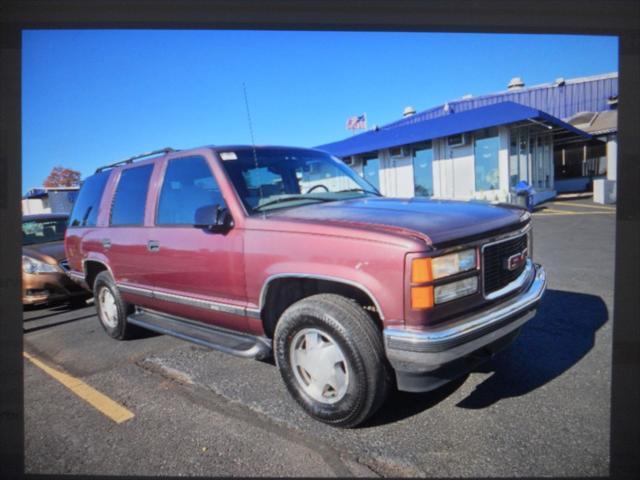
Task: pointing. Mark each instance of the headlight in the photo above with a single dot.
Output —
(428, 269)
(453, 290)
(453, 263)
(31, 265)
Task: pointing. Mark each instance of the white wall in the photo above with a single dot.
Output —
(453, 171)
(34, 206)
(398, 175)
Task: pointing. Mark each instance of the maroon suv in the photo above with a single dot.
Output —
(286, 251)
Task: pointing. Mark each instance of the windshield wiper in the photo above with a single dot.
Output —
(358, 190)
(292, 197)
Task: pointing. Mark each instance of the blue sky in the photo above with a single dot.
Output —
(92, 97)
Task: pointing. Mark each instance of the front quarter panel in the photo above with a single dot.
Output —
(375, 267)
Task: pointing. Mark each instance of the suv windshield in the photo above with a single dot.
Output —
(284, 178)
(43, 230)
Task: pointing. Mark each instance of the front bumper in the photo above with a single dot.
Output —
(426, 359)
(45, 288)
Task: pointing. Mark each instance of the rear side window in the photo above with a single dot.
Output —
(188, 187)
(131, 196)
(85, 208)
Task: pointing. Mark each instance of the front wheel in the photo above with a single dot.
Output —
(331, 358)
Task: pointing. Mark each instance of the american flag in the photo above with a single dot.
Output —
(357, 122)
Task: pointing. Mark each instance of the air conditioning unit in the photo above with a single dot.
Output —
(399, 152)
(459, 140)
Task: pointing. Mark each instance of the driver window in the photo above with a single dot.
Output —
(188, 186)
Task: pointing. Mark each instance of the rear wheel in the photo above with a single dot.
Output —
(331, 358)
(112, 309)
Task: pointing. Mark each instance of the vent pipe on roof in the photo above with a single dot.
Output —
(408, 111)
(515, 82)
(467, 96)
(559, 82)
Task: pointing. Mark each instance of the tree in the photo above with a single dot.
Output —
(62, 177)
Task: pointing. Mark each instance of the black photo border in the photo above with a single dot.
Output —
(608, 17)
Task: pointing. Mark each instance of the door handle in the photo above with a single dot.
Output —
(106, 243)
(153, 245)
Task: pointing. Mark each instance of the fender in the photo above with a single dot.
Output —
(265, 287)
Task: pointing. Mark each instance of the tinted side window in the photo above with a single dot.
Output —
(188, 186)
(131, 196)
(85, 208)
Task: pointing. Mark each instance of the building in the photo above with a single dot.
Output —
(557, 137)
(49, 200)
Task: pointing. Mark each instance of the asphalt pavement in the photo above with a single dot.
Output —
(539, 408)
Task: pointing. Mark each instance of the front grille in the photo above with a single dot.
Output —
(496, 273)
(64, 264)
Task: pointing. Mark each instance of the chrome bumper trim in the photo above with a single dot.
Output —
(440, 345)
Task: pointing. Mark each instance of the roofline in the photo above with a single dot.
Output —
(571, 81)
(75, 187)
(42, 216)
(525, 112)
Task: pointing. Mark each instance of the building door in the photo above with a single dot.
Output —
(371, 170)
(531, 157)
(423, 171)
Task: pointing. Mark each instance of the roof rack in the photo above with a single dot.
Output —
(136, 157)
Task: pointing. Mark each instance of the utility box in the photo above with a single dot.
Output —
(604, 191)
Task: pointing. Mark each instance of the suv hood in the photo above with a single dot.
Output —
(442, 221)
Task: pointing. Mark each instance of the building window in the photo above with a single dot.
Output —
(486, 149)
(371, 170)
(423, 171)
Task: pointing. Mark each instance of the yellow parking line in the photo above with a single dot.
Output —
(601, 207)
(566, 212)
(99, 401)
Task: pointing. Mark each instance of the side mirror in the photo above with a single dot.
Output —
(213, 218)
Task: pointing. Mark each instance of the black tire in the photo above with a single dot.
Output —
(343, 322)
(120, 329)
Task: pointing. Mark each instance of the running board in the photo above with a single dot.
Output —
(227, 341)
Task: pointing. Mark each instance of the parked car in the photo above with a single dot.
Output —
(287, 251)
(44, 280)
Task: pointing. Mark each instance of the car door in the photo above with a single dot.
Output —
(125, 240)
(198, 273)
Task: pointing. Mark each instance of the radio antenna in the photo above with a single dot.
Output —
(253, 142)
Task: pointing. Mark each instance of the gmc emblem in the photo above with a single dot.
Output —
(516, 261)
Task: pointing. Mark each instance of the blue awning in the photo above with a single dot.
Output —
(452, 124)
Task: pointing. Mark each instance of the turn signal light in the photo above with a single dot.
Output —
(421, 270)
(421, 298)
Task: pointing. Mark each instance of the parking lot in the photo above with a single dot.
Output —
(157, 405)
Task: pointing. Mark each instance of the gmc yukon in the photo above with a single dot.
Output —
(287, 252)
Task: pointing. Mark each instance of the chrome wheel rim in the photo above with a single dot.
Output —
(108, 308)
(319, 365)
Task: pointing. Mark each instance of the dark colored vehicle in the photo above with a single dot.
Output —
(287, 251)
(44, 280)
